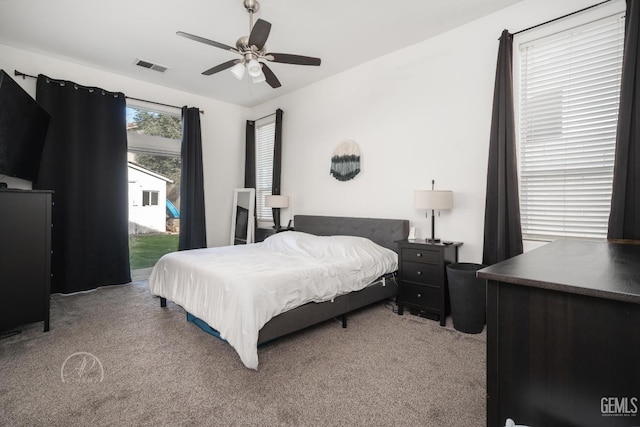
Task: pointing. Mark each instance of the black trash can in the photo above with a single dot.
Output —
(468, 296)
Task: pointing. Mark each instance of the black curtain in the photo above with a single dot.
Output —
(277, 165)
(624, 218)
(502, 227)
(250, 155)
(193, 232)
(85, 163)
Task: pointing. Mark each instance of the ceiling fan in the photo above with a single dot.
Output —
(253, 52)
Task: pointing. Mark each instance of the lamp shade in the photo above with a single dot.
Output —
(253, 68)
(259, 78)
(276, 201)
(433, 199)
(238, 70)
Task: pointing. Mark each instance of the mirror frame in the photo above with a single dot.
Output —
(251, 216)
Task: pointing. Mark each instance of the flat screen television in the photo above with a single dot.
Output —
(23, 130)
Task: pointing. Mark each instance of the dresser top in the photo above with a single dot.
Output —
(599, 269)
(423, 243)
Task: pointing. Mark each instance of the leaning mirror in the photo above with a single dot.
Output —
(242, 216)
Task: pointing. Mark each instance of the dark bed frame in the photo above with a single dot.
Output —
(384, 232)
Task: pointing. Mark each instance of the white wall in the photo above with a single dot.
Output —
(222, 124)
(418, 114)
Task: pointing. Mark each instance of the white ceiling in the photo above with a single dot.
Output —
(111, 35)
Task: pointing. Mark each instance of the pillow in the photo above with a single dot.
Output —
(332, 248)
(290, 241)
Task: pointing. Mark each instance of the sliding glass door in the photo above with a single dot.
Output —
(154, 186)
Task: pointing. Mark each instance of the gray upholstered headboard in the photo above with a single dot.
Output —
(382, 231)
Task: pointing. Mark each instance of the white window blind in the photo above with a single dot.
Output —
(568, 110)
(265, 136)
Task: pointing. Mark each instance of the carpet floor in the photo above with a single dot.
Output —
(113, 357)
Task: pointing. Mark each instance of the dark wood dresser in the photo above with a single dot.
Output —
(423, 277)
(563, 336)
(25, 257)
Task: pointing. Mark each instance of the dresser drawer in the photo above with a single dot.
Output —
(422, 255)
(422, 296)
(431, 274)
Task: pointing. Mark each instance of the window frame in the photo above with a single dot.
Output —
(610, 10)
(151, 197)
(263, 213)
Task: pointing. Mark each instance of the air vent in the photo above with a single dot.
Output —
(151, 65)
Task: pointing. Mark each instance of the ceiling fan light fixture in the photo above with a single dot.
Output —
(259, 78)
(253, 68)
(252, 49)
(238, 70)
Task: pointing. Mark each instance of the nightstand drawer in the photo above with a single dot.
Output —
(420, 295)
(422, 255)
(422, 273)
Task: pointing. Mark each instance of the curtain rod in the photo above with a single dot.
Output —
(562, 17)
(23, 75)
(264, 117)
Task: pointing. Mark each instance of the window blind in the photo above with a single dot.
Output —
(265, 136)
(568, 110)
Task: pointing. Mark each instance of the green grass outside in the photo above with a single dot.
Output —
(145, 250)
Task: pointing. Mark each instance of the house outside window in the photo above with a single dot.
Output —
(567, 88)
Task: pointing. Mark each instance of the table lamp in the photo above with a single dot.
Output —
(276, 202)
(434, 200)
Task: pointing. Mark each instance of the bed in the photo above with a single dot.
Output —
(183, 278)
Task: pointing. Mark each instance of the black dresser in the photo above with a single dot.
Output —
(25, 257)
(563, 337)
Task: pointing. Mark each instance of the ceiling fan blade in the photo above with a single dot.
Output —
(221, 67)
(259, 33)
(272, 80)
(286, 58)
(205, 41)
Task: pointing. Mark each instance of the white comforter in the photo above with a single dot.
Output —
(237, 289)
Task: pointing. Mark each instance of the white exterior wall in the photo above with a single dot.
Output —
(146, 219)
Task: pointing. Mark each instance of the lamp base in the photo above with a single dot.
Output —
(432, 240)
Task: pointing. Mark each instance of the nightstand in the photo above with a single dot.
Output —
(423, 276)
(263, 233)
